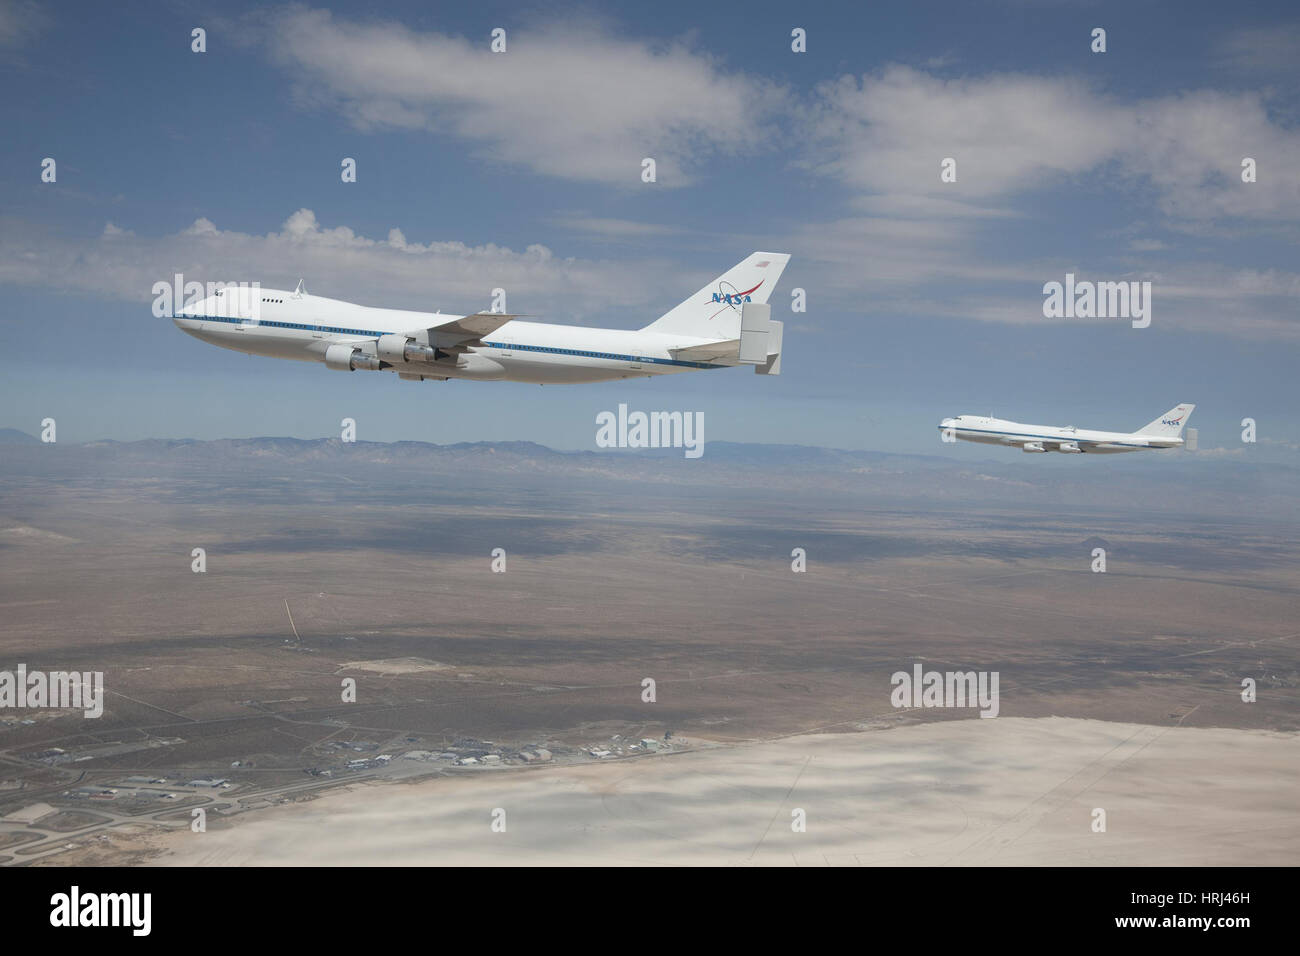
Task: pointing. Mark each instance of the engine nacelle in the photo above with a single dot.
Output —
(391, 348)
(345, 358)
(1069, 448)
(396, 348)
(1032, 446)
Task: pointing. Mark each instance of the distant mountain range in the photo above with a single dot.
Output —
(1168, 483)
(12, 436)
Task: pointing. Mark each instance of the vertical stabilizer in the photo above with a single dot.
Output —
(1170, 424)
(714, 311)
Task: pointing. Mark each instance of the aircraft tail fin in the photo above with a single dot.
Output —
(1170, 424)
(714, 311)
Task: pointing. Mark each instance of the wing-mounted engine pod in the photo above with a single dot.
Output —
(395, 349)
(391, 347)
(1069, 448)
(346, 358)
(1032, 446)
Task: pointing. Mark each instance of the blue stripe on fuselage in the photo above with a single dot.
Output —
(368, 333)
(1055, 438)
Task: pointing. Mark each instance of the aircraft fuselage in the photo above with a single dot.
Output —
(1044, 438)
(303, 327)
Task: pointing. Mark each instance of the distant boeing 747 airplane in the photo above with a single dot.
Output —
(1165, 432)
(728, 322)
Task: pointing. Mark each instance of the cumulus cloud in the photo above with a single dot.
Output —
(913, 245)
(866, 265)
(576, 101)
(884, 134)
(565, 100)
(892, 269)
(335, 260)
(887, 132)
(585, 103)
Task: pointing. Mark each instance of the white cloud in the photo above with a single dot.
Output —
(336, 262)
(579, 102)
(889, 269)
(920, 247)
(885, 134)
(566, 100)
(1191, 147)
(586, 104)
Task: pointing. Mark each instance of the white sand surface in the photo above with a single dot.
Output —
(1001, 791)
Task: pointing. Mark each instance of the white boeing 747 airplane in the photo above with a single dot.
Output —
(1165, 432)
(726, 323)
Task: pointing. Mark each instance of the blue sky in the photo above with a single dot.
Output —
(522, 170)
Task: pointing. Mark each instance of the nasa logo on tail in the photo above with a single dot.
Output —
(733, 297)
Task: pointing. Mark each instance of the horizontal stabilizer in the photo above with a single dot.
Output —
(708, 352)
(775, 332)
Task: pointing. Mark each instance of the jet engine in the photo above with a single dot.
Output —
(1069, 448)
(346, 358)
(395, 349)
(1032, 446)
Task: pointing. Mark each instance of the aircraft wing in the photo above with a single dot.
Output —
(708, 352)
(467, 327)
